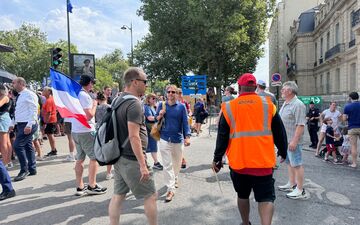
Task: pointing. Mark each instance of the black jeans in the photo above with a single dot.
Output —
(313, 134)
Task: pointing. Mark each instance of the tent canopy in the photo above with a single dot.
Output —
(6, 77)
(5, 48)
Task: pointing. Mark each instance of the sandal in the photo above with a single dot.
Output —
(352, 165)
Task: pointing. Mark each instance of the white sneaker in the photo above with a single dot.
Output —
(109, 176)
(297, 194)
(70, 158)
(287, 187)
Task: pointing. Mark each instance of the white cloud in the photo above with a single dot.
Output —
(7, 23)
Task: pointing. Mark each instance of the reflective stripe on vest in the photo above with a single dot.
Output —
(265, 132)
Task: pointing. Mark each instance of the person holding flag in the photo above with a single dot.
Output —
(74, 101)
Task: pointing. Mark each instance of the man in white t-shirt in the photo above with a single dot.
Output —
(84, 140)
(335, 116)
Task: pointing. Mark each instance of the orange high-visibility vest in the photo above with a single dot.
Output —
(251, 143)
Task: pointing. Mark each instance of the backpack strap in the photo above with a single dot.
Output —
(117, 102)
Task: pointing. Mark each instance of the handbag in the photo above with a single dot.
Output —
(156, 128)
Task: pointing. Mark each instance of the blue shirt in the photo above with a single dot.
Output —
(329, 131)
(352, 110)
(149, 111)
(176, 126)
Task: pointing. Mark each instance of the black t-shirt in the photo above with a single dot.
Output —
(330, 131)
(313, 113)
(132, 111)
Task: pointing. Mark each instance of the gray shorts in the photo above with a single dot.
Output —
(84, 145)
(127, 177)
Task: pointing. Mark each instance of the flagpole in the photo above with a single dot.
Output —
(68, 33)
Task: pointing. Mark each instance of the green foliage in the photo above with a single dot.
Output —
(219, 38)
(115, 65)
(103, 78)
(157, 86)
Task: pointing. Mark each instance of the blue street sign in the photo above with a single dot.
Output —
(193, 84)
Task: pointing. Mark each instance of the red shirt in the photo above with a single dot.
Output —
(49, 108)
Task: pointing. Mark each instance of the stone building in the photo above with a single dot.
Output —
(279, 34)
(324, 52)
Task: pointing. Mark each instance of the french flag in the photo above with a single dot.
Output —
(65, 92)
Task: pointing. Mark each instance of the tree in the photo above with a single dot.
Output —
(115, 65)
(219, 38)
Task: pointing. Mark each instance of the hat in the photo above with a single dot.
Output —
(311, 102)
(86, 79)
(247, 79)
(261, 83)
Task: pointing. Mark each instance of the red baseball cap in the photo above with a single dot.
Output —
(247, 79)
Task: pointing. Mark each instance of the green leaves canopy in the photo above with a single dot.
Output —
(219, 38)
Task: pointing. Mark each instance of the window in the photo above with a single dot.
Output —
(352, 77)
(337, 33)
(316, 85)
(328, 41)
(337, 80)
(328, 83)
(316, 52)
(352, 34)
(321, 84)
(321, 47)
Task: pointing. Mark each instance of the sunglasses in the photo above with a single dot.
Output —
(145, 81)
(172, 92)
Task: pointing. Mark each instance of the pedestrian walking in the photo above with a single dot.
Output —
(84, 141)
(5, 181)
(174, 135)
(261, 91)
(50, 119)
(5, 122)
(312, 118)
(248, 129)
(26, 113)
(293, 114)
(352, 115)
(131, 170)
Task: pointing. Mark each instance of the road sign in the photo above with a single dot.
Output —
(193, 85)
(276, 77)
(307, 99)
(276, 80)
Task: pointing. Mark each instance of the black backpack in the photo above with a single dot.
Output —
(107, 146)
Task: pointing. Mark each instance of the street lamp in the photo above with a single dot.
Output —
(124, 27)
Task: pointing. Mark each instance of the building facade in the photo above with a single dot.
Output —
(325, 56)
(279, 34)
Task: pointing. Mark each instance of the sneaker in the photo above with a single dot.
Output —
(287, 187)
(51, 153)
(297, 194)
(169, 196)
(10, 165)
(158, 166)
(97, 190)
(39, 158)
(70, 158)
(109, 176)
(81, 191)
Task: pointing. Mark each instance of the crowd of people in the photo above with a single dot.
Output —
(250, 121)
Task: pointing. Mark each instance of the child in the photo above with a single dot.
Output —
(345, 147)
(330, 140)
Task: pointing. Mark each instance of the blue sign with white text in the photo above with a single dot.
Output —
(193, 84)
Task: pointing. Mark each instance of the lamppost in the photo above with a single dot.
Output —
(124, 27)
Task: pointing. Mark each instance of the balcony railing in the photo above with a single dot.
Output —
(291, 69)
(352, 43)
(334, 50)
(355, 19)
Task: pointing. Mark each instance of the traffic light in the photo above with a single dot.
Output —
(56, 57)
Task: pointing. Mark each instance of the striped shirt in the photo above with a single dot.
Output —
(293, 114)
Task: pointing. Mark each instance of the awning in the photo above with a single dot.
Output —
(6, 77)
(5, 48)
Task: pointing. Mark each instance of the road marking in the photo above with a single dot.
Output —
(315, 188)
(338, 198)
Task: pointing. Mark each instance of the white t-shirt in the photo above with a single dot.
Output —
(86, 103)
(333, 115)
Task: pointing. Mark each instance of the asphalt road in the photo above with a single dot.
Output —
(48, 198)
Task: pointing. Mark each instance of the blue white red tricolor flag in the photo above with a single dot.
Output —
(65, 92)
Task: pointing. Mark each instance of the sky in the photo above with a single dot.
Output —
(95, 25)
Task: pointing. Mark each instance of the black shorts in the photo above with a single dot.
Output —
(263, 186)
(50, 128)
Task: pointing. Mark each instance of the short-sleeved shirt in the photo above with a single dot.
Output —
(227, 98)
(49, 107)
(329, 131)
(87, 103)
(149, 111)
(352, 110)
(272, 96)
(131, 110)
(293, 114)
(333, 115)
